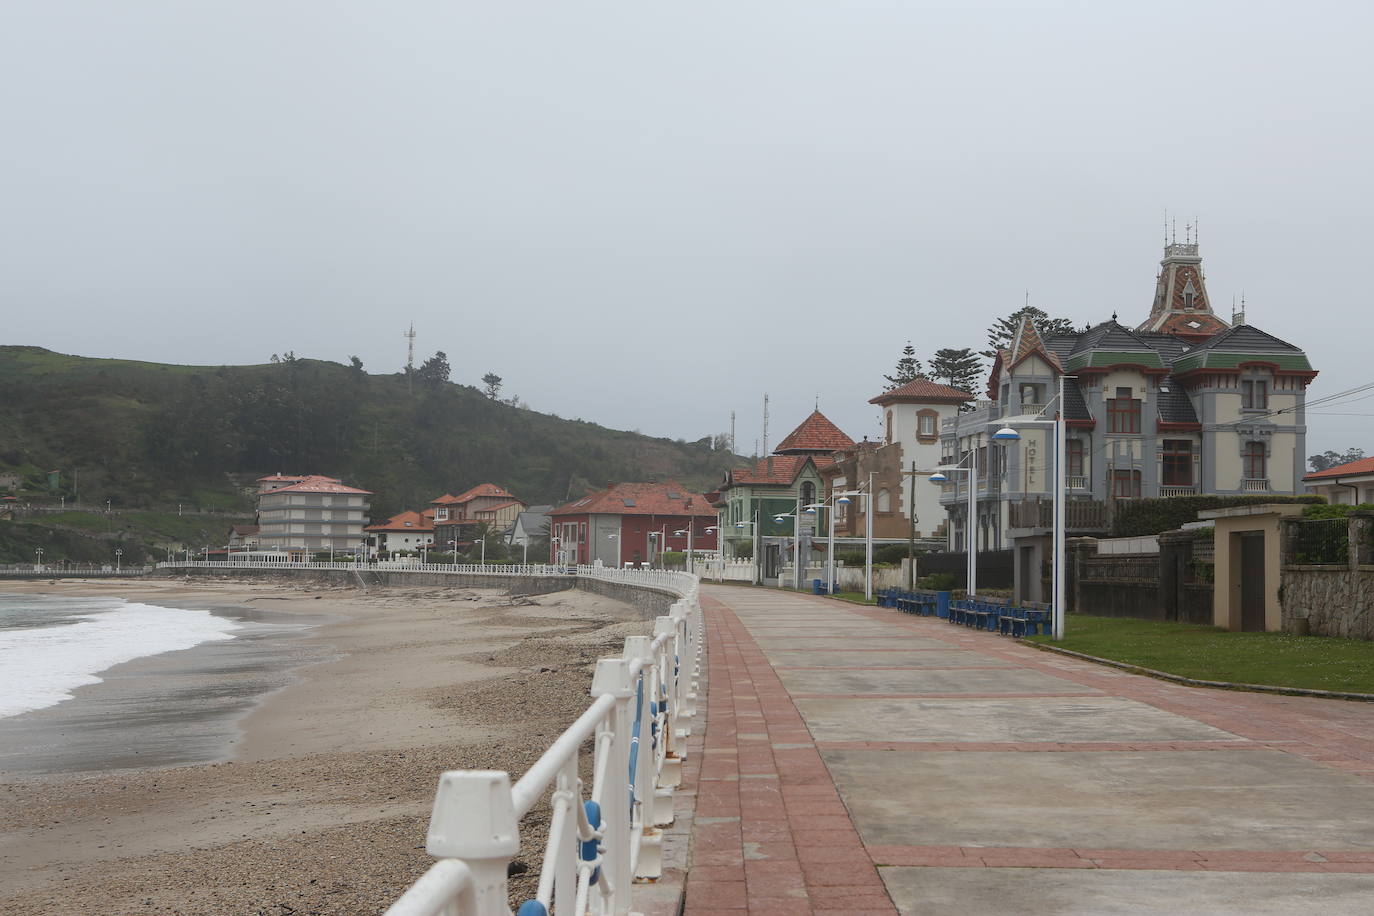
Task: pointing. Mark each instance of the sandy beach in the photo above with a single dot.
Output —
(293, 773)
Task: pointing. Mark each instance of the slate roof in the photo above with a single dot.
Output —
(924, 390)
(815, 434)
(639, 499)
(1242, 344)
(1349, 469)
(1174, 404)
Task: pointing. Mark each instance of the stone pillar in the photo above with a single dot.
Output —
(1080, 549)
(1175, 555)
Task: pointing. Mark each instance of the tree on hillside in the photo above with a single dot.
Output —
(434, 371)
(1330, 459)
(908, 368)
(960, 369)
(356, 365)
(491, 385)
(1002, 332)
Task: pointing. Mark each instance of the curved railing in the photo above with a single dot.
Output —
(602, 837)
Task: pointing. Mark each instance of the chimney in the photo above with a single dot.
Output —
(610, 485)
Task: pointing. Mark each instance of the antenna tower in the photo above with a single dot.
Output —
(410, 357)
(765, 422)
(732, 433)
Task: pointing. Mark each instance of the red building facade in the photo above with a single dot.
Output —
(631, 523)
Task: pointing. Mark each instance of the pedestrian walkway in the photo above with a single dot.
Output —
(861, 760)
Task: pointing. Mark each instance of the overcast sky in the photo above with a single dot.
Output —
(649, 215)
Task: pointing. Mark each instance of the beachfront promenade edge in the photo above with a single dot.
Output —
(603, 838)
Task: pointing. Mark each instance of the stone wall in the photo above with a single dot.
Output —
(1331, 600)
(650, 602)
(1328, 601)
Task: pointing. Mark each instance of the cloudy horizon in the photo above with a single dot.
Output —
(649, 217)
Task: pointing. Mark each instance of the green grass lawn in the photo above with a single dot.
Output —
(1211, 654)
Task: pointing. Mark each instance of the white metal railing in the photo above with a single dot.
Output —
(726, 570)
(1254, 484)
(58, 571)
(488, 569)
(600, 838)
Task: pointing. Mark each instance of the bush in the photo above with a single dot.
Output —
(936, 582)
(1140, 517)
(1337, 510)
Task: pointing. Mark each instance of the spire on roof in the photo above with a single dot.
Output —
(1181, 305)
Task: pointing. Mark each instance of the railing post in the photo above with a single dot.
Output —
(612, 677)
(474, 820)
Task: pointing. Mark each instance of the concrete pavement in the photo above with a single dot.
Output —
(866, 761)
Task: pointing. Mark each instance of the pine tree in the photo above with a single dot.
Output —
(957, 368)
(908, 369)
(1001, 334)
(434, 371)
(491, 385)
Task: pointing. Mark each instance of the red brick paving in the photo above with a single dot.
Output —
(773, 836)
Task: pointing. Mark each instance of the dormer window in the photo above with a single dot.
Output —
(1189, 294)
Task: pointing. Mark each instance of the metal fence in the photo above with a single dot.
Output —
(1318, 542)
(55, 571)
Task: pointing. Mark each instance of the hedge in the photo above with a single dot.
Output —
(1140, 517)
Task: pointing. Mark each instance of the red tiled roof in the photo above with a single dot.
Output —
(482, 489)
(646, 499)
(1349, 469)
(923, 389)
(244, 530)
(815, 434)
(779, 470)
(408, 520)
(314, 483)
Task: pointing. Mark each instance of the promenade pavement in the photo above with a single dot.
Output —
(861, 760)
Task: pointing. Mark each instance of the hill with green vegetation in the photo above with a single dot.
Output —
(152, 436)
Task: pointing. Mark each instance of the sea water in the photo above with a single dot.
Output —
(49, 646)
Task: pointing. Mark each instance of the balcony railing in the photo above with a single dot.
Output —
(1079, 514)
(1076, 481)
(1254, 485)
(1175, 490)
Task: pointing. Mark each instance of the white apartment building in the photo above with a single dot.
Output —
(311, 513)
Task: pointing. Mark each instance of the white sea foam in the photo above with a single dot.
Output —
(41, 667)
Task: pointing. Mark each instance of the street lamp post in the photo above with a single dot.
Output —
(691, 534)
(119, 552)
(1060, 498)
(453, 549)
(38, 559)
(754, 540)
(970, 529)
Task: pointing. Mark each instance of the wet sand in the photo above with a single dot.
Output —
(314, 741)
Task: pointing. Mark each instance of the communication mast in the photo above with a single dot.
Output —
(765, 423)
(410, 357)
